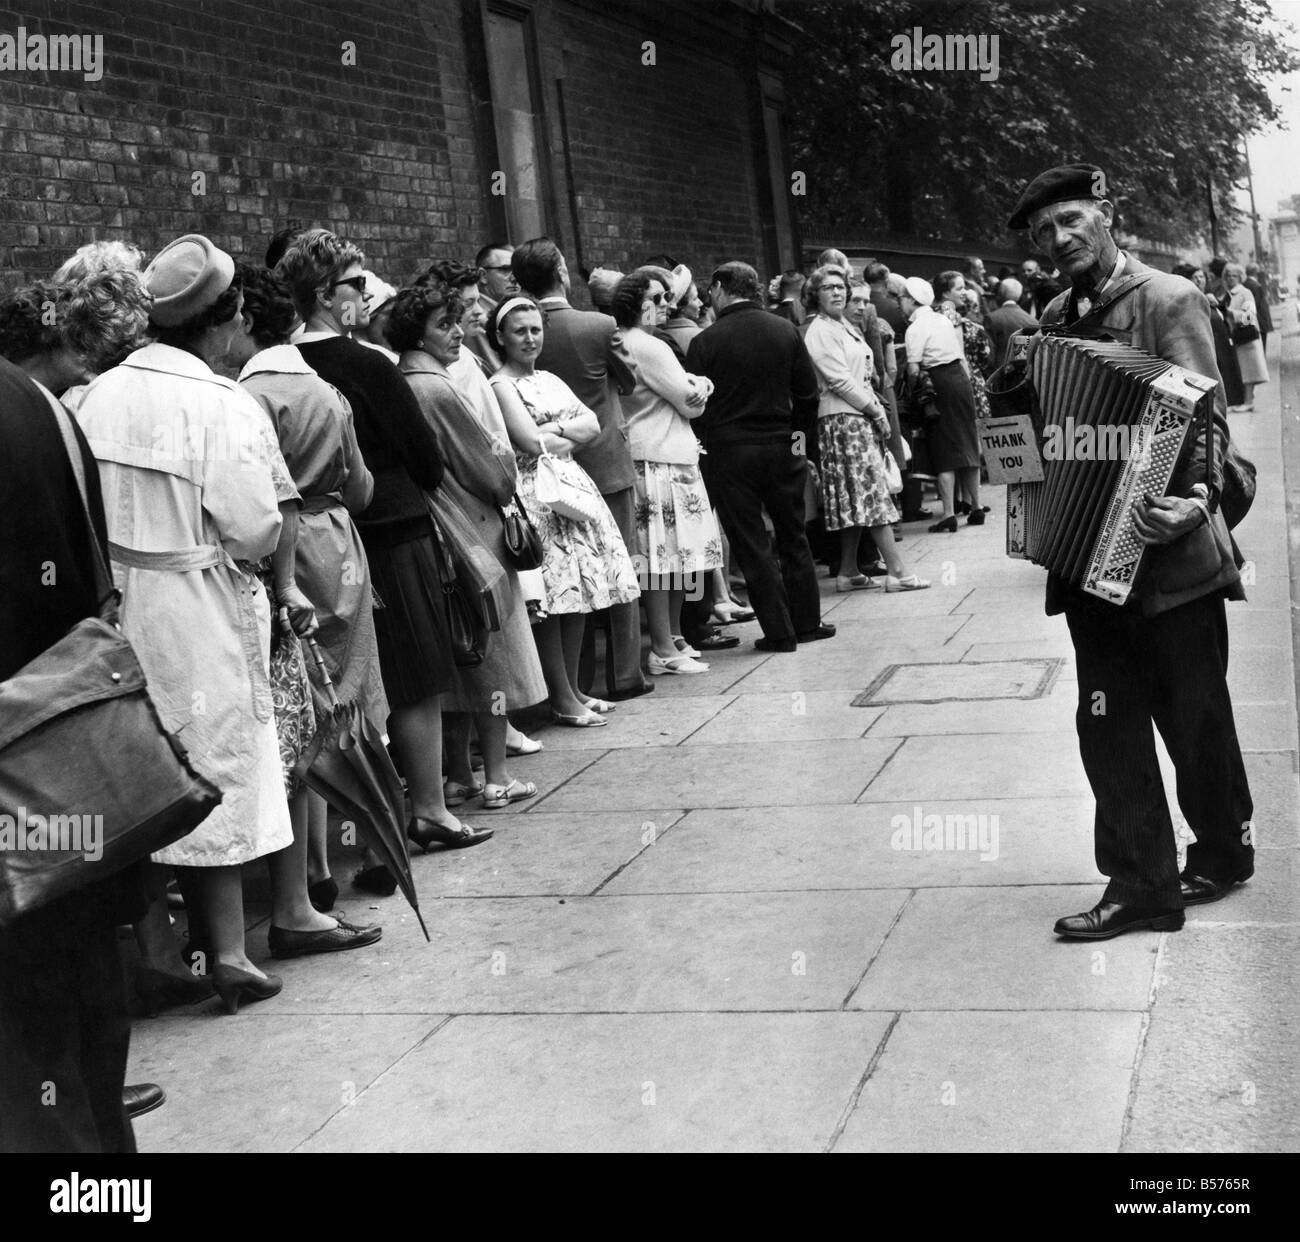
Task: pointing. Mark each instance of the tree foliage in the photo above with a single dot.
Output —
(1159, 93)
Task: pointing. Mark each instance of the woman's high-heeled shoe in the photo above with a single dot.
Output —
(156, 990)
(323, 894)
(234, 985)
(424, 832)
(378, 880)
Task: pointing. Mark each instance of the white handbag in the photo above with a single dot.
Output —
(566, 489)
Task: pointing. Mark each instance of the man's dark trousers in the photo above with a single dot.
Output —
(742, 481)
(1171, 669)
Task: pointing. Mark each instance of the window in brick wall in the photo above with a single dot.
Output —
(514, 113)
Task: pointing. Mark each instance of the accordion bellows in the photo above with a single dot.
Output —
(1110, 422)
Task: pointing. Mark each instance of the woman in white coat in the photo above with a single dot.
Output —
(1243, 320)
(191, 503)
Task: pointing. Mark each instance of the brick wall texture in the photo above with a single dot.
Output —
(231, 118)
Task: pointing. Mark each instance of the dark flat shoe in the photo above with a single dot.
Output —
(323, 894)
(287, 943)
(947, 526)
(1109, 918)
(141, 1098)
(1199, 890)
(716, 642)
(976, 518)
(378, 880)
(618, 696)
(825, 630)
(776, 644)
(424, 832)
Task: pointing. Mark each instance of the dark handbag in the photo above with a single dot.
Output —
(91, 781)
(1244, 333)
(466, 626)
(523, 543)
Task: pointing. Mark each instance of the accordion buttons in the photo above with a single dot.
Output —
(115, 676)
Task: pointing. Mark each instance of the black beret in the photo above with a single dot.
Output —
(1059, 185)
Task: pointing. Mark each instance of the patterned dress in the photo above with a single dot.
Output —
(586, 565)
(978, 349)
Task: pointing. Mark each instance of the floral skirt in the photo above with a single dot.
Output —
(291, 699)
(676, 532)
(854, 490)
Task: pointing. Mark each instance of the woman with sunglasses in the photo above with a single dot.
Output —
(326, 279)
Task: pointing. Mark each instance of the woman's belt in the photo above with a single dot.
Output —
(182, 560)
(322, 504)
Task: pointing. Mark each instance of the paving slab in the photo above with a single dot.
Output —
(609, 954)
(1253, 674)
(1218, 1070)
(1003, 1082)
(1271, 896)
(655, 720)
(1265, 726)
(1054, 713)
(795, 715)
(757, 774)
(851, 666)
(260, 1082)
(918, 682)
(540, 854)
(615, 1082)
(1275, 790)
(876, 845)
(977, 769)
(993, 948)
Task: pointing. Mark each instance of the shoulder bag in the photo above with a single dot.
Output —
(523, 543)
(566, 489)
(91, 780)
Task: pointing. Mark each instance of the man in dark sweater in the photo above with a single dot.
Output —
(755, 432)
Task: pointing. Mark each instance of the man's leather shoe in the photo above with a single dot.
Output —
(775, 644)
(1200, 889)
(142, 1098)
(1109, 918)
(825, 630)
(633, 692)
(715, 642)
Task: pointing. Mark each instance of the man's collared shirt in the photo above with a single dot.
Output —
(1084, 304)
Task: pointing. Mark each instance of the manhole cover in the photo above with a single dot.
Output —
(950, 683)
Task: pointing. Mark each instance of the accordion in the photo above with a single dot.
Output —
(1102, 426)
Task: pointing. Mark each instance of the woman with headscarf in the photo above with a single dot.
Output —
(934, 345)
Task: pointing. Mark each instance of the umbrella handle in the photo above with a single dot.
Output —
(324, 671)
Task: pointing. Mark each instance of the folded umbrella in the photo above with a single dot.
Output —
(347, 763)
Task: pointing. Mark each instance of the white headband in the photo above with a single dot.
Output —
(507, 306)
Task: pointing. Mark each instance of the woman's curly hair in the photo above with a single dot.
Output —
(411, 310)
(314, 261)
(268, 303)
(106, 316)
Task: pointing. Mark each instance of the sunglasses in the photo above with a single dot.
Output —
(656, 298)
(357, 282)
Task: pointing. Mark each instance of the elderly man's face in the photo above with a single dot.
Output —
(1075, 235)
(498, 280)
(1028, 268)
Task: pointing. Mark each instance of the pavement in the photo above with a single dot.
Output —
(731, 921)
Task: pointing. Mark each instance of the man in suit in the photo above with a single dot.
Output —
(753, 429)
(1162, 658)
(789, 285)
(877, 277)
(1008, 319)
(496, 283)
(585, 349)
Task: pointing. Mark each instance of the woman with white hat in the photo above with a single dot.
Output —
(933, 344)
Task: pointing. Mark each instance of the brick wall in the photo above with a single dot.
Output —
(255, 110)
(663, 155)
(258, 102)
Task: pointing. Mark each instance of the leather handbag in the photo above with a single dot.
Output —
(523, 543)
(91, 780)
(467, 627)
(566, 489)
(1244, 333)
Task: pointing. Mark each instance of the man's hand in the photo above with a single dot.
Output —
(1166, 518)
